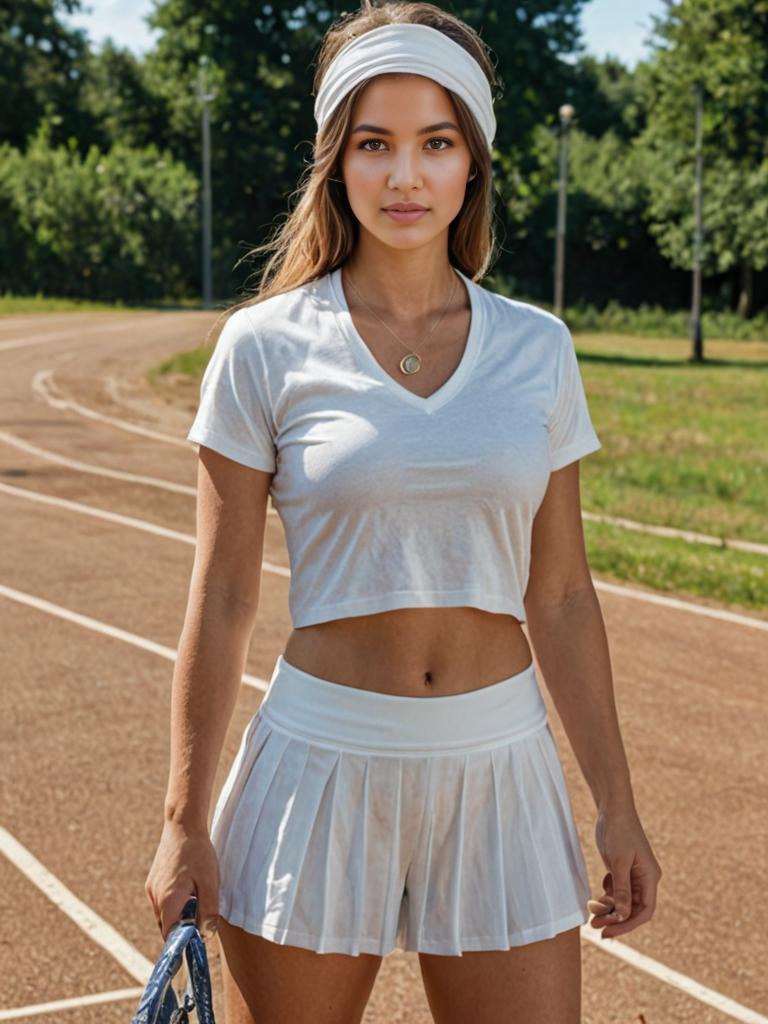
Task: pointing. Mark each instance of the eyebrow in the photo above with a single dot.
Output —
(440, 126)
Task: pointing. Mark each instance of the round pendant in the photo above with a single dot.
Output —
(410, 363)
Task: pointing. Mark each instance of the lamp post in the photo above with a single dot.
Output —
(205, 96)
(566, 112)
(698, 234)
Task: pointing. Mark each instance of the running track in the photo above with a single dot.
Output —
(98, 515)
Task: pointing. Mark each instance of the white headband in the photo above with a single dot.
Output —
(419, 49)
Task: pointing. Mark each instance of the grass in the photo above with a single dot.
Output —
(684, 445)
(14, 304)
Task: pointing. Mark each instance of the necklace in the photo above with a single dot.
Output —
(412, 362)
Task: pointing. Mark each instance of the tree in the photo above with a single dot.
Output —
(723, 44)
(39, 60)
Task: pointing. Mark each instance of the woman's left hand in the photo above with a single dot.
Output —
(633, 873)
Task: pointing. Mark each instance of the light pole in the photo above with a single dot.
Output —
(566, 113)
(698, 347)
(205, 96)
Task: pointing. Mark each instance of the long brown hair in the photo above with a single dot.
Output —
(320, 232)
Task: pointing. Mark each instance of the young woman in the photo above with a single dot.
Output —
(419, 436)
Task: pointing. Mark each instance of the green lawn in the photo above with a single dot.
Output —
(684, 445)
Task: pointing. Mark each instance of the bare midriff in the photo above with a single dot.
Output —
(413, 652)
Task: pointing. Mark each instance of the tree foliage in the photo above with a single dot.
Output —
(114, 225)
(721, 46)
(79, 125)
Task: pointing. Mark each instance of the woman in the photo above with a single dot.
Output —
(419, 436)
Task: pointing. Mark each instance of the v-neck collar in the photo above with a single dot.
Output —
(450, 387)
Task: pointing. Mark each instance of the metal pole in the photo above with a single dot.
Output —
(206, 205)
(566, 113)
(206, 128)
(698, 347)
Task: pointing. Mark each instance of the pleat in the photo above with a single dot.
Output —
(562, 808)
(359, 857)
(329, 887)
(252, 740)
(244, 788)
(292, 820)
(459, 835)
(236, 858)
(421, 893)
(535, 834)
(391, 908)
(502, 917)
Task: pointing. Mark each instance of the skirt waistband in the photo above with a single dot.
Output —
(322, 711)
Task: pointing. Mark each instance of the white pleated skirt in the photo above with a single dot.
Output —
(353, 821)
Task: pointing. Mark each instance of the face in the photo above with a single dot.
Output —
(390, 158)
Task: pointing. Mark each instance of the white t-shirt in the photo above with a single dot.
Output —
(390, 500)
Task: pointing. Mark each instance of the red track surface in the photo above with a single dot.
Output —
(85, 725)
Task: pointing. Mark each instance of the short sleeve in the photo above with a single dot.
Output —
(571, 434)
(233, 416)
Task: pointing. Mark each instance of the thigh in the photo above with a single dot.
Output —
(282, 984)
(537, 983)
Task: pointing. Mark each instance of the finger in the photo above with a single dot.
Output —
(612, 931)
(622, 889)
(207, 912)
(604, 905)
(643, 907)
(601, 920)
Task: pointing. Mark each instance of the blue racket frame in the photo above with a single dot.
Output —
(158, 1004)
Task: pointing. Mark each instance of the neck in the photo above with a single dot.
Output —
(404, 288)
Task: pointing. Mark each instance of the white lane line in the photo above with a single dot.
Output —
(683, 606)
(86, 467)
(678, 604)
(44, 387)
(675, 979)
(691, 536)
(15, 1013)
(115, 474)
(25, 319)
(116, 517)
(94, 926)
(612, 946)
(169, 653)
(80, 333)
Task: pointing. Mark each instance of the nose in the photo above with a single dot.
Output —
(404, 170)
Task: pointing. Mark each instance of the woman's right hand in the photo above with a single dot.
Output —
(185, 865)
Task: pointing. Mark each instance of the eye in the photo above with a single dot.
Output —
(365, 142)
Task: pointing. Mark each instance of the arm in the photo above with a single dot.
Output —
(566, 627)
(219, 620)
(218, 623)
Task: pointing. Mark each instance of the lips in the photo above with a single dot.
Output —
(405, 207)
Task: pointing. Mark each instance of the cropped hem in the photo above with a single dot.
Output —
(487, 942)
(365, 944)
(291, 937)
(391, 599)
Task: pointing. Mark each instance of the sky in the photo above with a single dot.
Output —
(615, 27)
